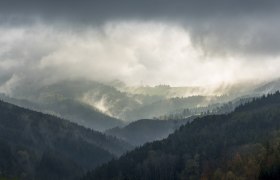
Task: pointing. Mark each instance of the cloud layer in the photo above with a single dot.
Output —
(134, 52)
(190, 43)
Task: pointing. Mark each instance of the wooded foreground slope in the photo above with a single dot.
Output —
(244, 144)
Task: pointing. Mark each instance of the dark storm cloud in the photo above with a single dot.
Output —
(217, 26)
(254, 36)
(100, 10)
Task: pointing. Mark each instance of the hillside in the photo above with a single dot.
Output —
(172, 105)
(269, 87)
(147, 130)
(241, 145)
(90, 94)
(73, 110)
(34, 145)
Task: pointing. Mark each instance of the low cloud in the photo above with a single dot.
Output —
(136, 52)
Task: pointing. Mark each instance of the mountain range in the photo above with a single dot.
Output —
(243, 144)
(35, 145)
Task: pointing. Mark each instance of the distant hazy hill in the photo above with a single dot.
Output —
(171, 105)
(87, 102)
(147, 130)
(127, 104)
(116, 100)
(164, 90)
(168, 91)
(244, 144)
(104, 98)
(269, 87)
(38, 146)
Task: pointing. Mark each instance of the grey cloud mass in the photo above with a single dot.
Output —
(100, 10)
(218, 26)
(179, 42)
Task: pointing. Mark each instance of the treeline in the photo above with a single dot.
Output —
(218, 108)
(251, 161)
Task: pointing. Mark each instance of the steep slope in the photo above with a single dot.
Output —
(72, 110)
(38, 146)
(232, 146)
(147, 130)
(83, 114)
(105, 98)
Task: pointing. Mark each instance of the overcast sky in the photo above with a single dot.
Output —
(178, 42)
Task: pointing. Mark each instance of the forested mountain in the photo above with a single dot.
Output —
(147, 130)
(34, 145)
(89, 95)
(243, 144)
(70, 109)
(87, 102)
(103, 97)
(268, 87)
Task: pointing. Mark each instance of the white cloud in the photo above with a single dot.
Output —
(134, 52)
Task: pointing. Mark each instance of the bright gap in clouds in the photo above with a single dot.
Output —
(137, 53)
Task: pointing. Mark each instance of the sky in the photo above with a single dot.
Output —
(150, 42)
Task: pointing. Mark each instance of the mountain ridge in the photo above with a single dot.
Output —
(206, 148)
(147, 130)
(33, 144)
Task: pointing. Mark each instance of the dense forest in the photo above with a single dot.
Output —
(34, 145)
(244, 144)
